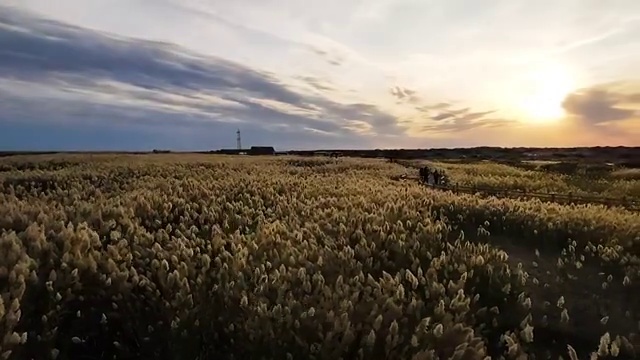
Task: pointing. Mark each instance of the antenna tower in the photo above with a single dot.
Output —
(238, 140)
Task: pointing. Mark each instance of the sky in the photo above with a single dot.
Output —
(347, 74)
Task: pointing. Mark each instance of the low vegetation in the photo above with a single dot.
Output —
(208, 257)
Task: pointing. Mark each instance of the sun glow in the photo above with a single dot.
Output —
(547, 88)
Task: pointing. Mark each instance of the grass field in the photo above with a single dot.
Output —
(211, 257)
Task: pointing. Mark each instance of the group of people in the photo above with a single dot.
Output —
(432, 176)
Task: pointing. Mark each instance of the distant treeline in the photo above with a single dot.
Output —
(625, 156)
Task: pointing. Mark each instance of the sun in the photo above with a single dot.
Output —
(545, 89)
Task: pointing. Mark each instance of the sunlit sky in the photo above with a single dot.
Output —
(185, 74)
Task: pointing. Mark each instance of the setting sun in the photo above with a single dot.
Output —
(548, 87)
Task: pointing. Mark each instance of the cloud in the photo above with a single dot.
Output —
(459, 120)
(55, 73)
(316, 83)
(405, 95)
(609, 111)
(444, 117)
(429, 108)
(602, 104)
(332, 57)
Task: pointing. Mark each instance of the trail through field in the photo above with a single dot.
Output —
(559, 198)
(593, 309)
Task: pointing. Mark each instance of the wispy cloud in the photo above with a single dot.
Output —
(458, 120)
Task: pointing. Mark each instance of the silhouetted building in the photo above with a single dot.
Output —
(230, 151)
(254, 150)
(262, 150)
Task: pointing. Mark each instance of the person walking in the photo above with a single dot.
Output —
(425, 174)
